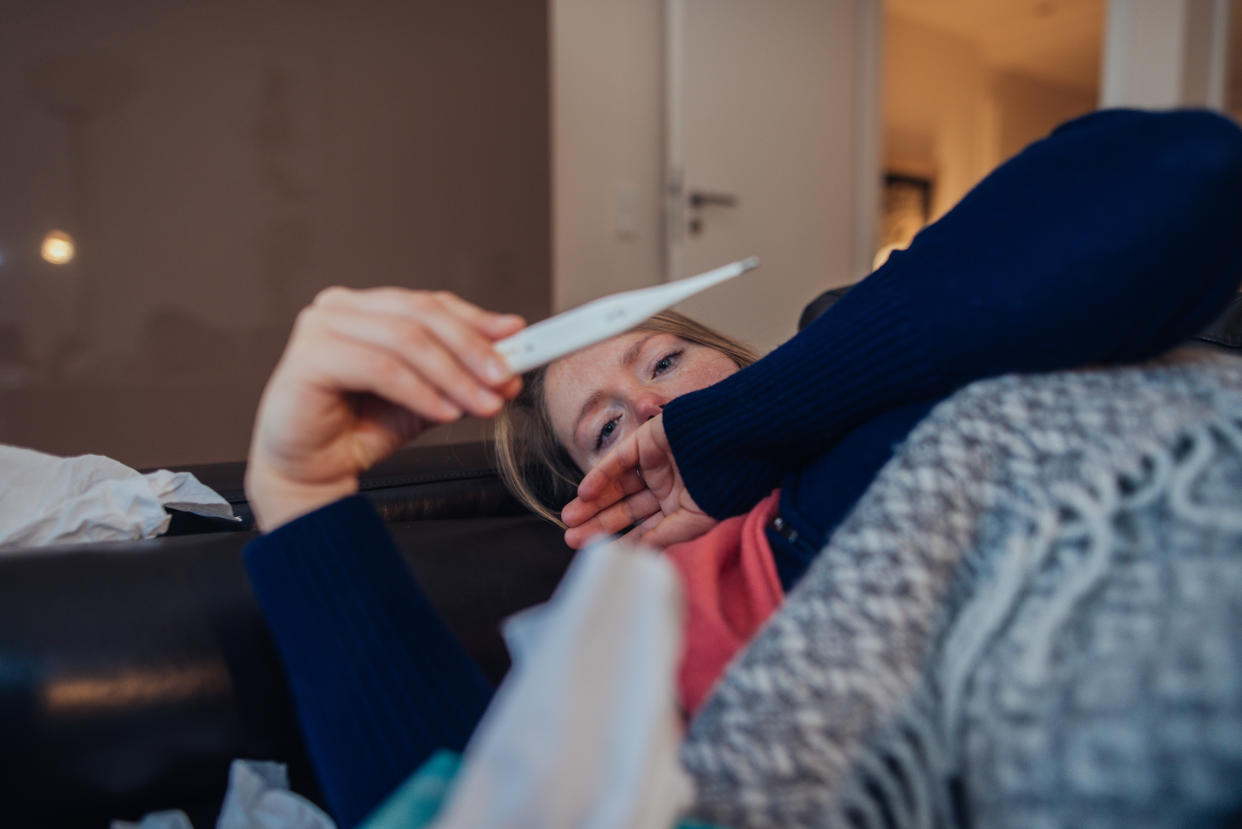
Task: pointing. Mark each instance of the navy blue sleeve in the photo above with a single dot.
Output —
(378, 681)
(1111, 240)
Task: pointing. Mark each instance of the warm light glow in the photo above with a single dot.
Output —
(883, 253)
(58, 247)
(130, 689)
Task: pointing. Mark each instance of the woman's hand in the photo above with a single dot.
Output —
(636, 483)
(364, 373)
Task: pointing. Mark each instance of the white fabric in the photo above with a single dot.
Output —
(171, 819)
(584, 732)
(258, 797)
(46, 499)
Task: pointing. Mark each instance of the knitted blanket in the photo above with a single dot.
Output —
(1033, 618)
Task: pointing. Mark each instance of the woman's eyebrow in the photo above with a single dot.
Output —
(589, 404)
(631, 353)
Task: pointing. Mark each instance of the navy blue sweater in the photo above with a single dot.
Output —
(1107, 242)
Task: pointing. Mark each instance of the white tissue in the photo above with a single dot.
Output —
(45, 499)
(259, 798)
(172, 819)
(584, 732)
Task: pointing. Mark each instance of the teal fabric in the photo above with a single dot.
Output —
(417, 801)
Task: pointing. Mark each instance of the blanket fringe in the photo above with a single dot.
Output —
(1062, 510)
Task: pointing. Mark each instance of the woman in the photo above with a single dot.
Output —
(1107, 242)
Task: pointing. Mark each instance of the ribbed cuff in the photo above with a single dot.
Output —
(379, 682)
(734, 441)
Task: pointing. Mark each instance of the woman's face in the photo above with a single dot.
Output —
(600, 394)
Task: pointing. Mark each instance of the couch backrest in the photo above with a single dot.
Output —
(415, 484)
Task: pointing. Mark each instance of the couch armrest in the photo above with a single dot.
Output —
(418, 483)
(133, 673)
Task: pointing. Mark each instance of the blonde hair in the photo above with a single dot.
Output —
(533, 465)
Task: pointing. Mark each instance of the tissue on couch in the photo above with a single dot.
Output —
(46, 499)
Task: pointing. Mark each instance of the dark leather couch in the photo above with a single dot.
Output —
(131, 674)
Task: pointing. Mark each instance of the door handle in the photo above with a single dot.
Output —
(700, 198)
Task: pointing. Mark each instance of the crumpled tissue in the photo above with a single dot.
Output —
(258, 797)
(585, 731)
(46, 499)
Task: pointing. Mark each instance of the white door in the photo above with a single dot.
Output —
(772, 149)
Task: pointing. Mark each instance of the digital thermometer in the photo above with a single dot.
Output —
(606, 317)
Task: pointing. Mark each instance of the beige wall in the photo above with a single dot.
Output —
(219, 162)
(951, 117)
(1233, 83)
(935, 109)
(607, 59)
(1027, 109)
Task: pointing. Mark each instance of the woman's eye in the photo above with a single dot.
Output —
(605, 432)
(666, 362)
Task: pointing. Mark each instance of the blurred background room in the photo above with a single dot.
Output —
(178, 179)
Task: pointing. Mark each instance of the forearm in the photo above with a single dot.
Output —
(379, 682)
(1108, 241)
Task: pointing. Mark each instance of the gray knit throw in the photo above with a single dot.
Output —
(1033, 618)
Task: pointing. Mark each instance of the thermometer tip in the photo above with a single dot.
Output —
(750, 263)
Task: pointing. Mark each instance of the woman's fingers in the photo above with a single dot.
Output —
(644, 451)
(639, 533)
(494, 325)
(347, 365)
(422, 305)
(363, 373)
(443, 337)
(637, 482)
(580, 509)
(465, 329)
(629, 484)
(640, 506)
(618, 465)
(421, 350)
(677, 528)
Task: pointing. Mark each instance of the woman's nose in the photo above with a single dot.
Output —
(648, 406)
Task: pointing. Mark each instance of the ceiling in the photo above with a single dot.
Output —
(1057, 41)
